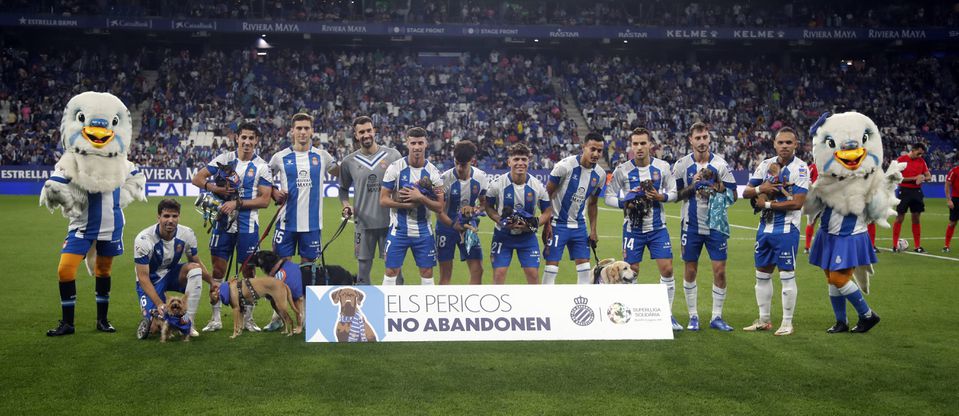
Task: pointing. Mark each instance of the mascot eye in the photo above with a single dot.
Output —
(831, 143)
(80, 117)
(116, 120)
(865, 137)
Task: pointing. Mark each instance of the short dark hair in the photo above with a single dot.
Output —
(595, 137)
(300, 117)
(362, 120)
(639, 131)
(168, 204)
(464, 151)
(518, 149)
(919, 145)
(789, 130)
(248, 126)
(416, 132)
(697, 126)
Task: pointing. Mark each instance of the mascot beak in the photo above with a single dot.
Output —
(97, 136)
(851, 159)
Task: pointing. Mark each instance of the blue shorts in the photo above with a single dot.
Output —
(169, 282)
(447, 241)
(285, 242)
(526, 247)
(778, 249)
(74, 245)
(635, 243)
(424, 250)
(222, 244)
(715, 244)
(838, 252)
(577, 239)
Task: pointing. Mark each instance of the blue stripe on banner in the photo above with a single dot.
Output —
(293, 193)
(94, 215)
(316, 177)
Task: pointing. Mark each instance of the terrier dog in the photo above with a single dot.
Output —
(173, 321)
(351, 325)
(612, 271)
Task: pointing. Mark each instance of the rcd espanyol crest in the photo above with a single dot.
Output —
(581, 314)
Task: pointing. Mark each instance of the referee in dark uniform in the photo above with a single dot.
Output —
(910, 194)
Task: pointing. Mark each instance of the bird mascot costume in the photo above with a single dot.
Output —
(852, 191)
(91, 184)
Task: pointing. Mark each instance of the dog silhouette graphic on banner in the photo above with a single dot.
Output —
(351, 325)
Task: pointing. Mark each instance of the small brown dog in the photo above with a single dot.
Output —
(612, 271)
(278, 294)
(174, 321)
(351, 325)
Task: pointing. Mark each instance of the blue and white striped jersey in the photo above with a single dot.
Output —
(695, 211)
(575, 184)
(837, 224)
(150, 249)
(301, 175)
(628, 176)
(795, 172)
(405, 222)
(101, 218)
(461, 193)
(522, 197)
(248, 176)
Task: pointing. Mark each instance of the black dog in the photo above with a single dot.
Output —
(332, 275)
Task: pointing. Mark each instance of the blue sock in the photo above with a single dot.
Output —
(838, 307)
(858, 302)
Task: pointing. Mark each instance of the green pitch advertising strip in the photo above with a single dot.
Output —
(487, 313)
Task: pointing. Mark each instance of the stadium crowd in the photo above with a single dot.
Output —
(723, 13)
(495, 99)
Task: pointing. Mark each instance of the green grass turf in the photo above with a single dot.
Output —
(906, 365)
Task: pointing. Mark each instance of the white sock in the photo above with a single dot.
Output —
(216, 306)
(248, 314)
(549, 274)
(790, 289)
(389, 281)
(194, 286)
(690, 290)
(833, 291)
(276, 317)
(670, 288)
(764, 294)
(719, 296)
(583, 274)
(851, 288)
(426, 281)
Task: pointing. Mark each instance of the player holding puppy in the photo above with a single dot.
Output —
(157, 253)
(511, 203)
(574, 184)
(405, 191)
(648, 230)
(464, 188)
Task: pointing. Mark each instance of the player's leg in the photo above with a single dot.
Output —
(67, 276)
(527, 250)
(147, 307)
(474, 262)
(424, 254)
(716, 245)
(917, 210)
(764, 258)
(838, 303)
(106, 251)
(692, 246)
(500, 257)
(578, 245)
(219, 272)
(246, 247)
(842, 279)
(445, 249)
(189, 282)
(308, 247)
(871, 229)
(787, 245)
(381, 235)
(553, 253)
(365, 244)
(810, 230)
(661, 250)
(395, 256)
(900, 216)
(951, 228)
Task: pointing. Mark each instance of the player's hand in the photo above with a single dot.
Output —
(766, 188)
(214, 291)
(280, 196)
(547, 233)
(654, 195)
(161, 310)
(411, 195)
(593, 238)
(347, 212)
(920, 179)
(228, 207)
(223, 192)
(950, 204)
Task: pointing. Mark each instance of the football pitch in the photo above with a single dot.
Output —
(908, 364)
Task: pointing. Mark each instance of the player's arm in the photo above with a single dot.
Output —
(612, 191)
(387, 201)
(201, 180)
(728, 182)
(546, 209)
(949, 178)
(433, 205)
(592, 211)
(193, 258)
(755, 184)
(143, 277)
(346, 181)
(276, 166)
(490, 207)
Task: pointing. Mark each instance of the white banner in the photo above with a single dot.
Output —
(486, 313)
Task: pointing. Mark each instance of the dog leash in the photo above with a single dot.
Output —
(339, 230)
(592, 247)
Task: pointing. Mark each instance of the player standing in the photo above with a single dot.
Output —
(696, 231)
(402, 192)
(910, 194)
(464, 187)
(574, 183)
(777, 238)
(364, 170)
(649, 230)
(511, 203)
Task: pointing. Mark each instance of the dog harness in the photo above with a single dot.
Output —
(239, 290)
(597, 276)
(357, 328)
